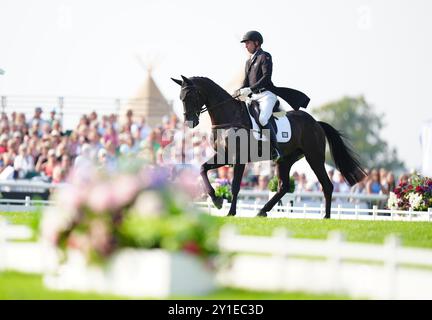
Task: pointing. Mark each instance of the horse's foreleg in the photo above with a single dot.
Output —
(209, 165)
(238, 175)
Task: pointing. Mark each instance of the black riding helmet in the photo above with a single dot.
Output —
(253, 36)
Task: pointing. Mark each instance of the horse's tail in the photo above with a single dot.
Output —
(345, 158)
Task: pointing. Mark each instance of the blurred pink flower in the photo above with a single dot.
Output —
(188, 181)
(101, 197)
(125, 189)
(100, 237)
(149, 203)
(72, 197)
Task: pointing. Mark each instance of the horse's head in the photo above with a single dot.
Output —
(192, 99)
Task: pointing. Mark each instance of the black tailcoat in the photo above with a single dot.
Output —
(258, 73)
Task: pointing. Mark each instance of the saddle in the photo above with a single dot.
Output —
(255, 112)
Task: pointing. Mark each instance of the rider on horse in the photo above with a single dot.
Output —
(258, 85)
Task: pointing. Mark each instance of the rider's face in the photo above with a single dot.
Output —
(251, 46)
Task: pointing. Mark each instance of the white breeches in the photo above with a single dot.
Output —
(267, 100)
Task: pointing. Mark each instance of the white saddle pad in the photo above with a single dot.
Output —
(284, 128)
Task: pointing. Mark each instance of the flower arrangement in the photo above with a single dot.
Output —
(223, 189)
(415, 194)
(98, 214)
(274, 184)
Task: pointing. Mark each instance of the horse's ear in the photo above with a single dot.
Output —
(186, 80)
(179, 82)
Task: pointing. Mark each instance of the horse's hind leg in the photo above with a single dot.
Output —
(283, 170)
(317, 165)
(238, 175)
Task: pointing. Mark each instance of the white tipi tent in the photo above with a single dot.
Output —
(148, 102)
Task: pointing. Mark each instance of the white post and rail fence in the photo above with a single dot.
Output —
(282, 263)
(278, 263)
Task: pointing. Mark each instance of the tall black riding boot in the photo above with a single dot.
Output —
(276, 154)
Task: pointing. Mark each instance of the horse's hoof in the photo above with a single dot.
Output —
(231, 214)
(262, 214)
(326, 217)
(218, 201)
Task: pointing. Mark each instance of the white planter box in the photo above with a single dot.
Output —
(286, 199)
(136, 273)
(271, 194)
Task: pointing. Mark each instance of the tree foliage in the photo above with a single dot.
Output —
(360, 123)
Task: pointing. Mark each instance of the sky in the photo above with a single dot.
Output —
(381, 49)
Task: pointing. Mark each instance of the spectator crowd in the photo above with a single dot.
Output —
(39, 148)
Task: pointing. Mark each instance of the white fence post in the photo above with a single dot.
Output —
(339, 211)
(304, 210)
(27, 201)
(2, 243)
(356, 213)
(280, 235)
(334, 241)
(410, 211)
(322, 210)
(429, 214)
(256, 205)
(392, 244)
(374, 211)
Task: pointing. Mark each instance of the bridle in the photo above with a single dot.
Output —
(197, 111)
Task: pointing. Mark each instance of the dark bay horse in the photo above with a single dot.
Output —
(308, 140)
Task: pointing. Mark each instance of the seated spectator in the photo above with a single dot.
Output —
(383, 175)
(3, 143)
(360, 187)
(111, 135)
(8, 171)
(50, 164)
(37, 118)
(23, 163)
(12, 147)
(94, 140)
(56, 125)
(35, 128)
(374, 185)
(106, 161)
(21, 120)
(83, 160)
(59, 175)
(263, 182)
(404, 178)
(302, 183)
(340, 184)
(46, 128)
(55, 138)
(18, 138)
(389, 183)
(53, 116)
(141, 127)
